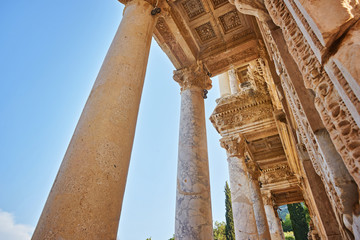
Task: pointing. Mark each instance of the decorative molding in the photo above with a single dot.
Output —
(234, 145)
(171, 41)
(193, 76)
(335, 115)
(276, 174)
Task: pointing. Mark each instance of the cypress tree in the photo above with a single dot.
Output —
(298, 221)
(229, 229)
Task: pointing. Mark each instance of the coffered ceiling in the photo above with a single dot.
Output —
(212, 31)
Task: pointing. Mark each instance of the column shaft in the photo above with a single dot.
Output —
(244, 218)
(85, 200)
(234, 84)
(275, 227)
(193, 204)
(224, 84)
(259, 210)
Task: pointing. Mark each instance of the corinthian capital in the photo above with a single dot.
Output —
(253, 170)
(268, 198)
(234, 145)
(193, 76)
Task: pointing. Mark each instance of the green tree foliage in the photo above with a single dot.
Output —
(229, 228)
(307, 214)
(173, 238)
(298, 221)
(286, 224)
(289, 236)
(219, 231)
(148, 238)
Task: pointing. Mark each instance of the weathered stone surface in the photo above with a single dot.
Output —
(224, 84)
(85, 200)
(259, 210)
(329, 19)
(275, 227)
(243, 211)
(193, 218)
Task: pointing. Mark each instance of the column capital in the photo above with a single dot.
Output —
(234, 145)
(268, 198)
(193, 76)
(253, 170)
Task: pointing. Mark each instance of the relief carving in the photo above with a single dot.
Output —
(335, 115)
(230, 21)
(304, 130)
(234, 145)
(205, 32)
(171, 41)
(275, 174)
(193, 8)
(250, 105)
(193, 76)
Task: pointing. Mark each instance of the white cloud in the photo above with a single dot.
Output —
(9, 230)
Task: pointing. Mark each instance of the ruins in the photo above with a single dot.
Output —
(288, 118)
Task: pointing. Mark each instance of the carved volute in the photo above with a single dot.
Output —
(234, 145)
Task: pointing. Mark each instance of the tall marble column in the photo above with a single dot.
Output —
(259, 210)
(244, 218)
(85, 200)
(234, 84)
(224, 84)
(193, 220)
(275, 227)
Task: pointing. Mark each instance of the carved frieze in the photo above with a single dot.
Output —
(171, 41)
(336, 117)
(275, 174)
(230, 21)
(205, 32)
(296, 43)
(250, 105)
(239, 110)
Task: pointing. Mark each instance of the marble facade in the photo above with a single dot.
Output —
(288, 116)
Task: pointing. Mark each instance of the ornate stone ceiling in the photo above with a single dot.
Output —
(212, 31)
(267, 151)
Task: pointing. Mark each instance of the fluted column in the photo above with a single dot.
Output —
(244, 218)
(259, 210)
(193, 220)
(224, 84)
(275, 227)
(85, 200)
(233, 80)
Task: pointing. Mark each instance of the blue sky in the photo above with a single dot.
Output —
(50, 54)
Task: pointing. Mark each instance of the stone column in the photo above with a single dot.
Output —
(193, 218)
(244, 218)
(85, 200)
(259, 210)
(275, 227)
(234, 84)
(224, 84)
